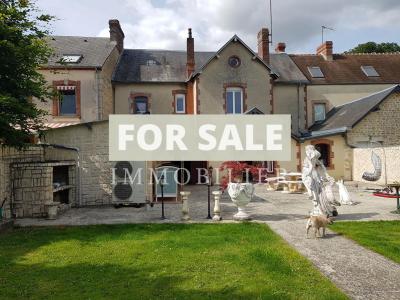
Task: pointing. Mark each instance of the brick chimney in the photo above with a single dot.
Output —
(280, 48)
(190, 62)
(326, 50)
(116, 34)
(263, 44)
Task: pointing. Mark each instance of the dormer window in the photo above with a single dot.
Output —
(369, 71)
(71, 58)
(315, 72)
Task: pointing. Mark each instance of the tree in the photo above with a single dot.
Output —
(237, 172)
(23, 50)
(372, 47)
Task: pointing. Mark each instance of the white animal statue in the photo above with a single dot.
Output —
(316, 180)
(345, 198)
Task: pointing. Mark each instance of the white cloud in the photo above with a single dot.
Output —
(164, 23)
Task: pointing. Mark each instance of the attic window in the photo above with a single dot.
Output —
(71, 58)
(316, 72)
(369, 71)
(151, 62)
(234, 61)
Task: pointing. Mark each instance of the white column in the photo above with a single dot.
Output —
(185, 206)
(217, 208)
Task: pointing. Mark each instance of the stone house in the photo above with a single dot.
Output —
(192, 82)
(233, 79)
(337, 102)
(368, 122)
(335, 80)
(80, 70)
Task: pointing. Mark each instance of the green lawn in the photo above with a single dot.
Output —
(380, 236)
(226, 261)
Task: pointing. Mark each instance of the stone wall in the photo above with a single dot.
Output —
(22, 165)
(381, 125)
(390, 157)
(95, 169)
(252, 76)
(32, 185)
(7, 157)
(106, 96)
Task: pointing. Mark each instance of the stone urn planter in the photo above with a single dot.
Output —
(52, 210)
(241, 195)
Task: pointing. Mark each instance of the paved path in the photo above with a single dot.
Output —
(360, 273)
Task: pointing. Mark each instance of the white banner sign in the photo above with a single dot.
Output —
(200, 137)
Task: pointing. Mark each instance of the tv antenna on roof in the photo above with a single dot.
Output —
(270, 19)
(323, 28)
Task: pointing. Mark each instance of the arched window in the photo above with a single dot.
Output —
(325, 150)
(140, 105)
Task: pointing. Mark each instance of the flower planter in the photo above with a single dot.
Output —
(241, 194)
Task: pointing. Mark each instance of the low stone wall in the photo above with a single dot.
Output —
(390, 157)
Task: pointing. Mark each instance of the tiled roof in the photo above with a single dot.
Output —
(346, 68)
(348, 115)
(286, 69)
(141, 65)
(94, 50)
(144, 65)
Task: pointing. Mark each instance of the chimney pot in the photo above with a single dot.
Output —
(116, 34)
(263, 44)
(280, 48)
(326, 50)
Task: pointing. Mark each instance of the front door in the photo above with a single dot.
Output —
(192, 167)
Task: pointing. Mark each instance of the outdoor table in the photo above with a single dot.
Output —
(396, 186)
(293, 180)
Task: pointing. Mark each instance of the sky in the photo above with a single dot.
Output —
(163, 24)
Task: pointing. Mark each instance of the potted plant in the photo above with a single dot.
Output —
(238, 182)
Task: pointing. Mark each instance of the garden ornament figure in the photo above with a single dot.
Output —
(318, 184)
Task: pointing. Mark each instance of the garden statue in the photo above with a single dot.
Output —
(344, 194)
(377, 163)
(318, 183)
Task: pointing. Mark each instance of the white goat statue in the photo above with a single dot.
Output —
(344, 194)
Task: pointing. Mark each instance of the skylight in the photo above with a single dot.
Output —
(71, 58)
(315, 72)
(369, 71)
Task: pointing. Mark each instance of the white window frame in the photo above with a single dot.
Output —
(319, 74)
(370, 71)
(177, 96)
(314, 112)
(234, 90)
